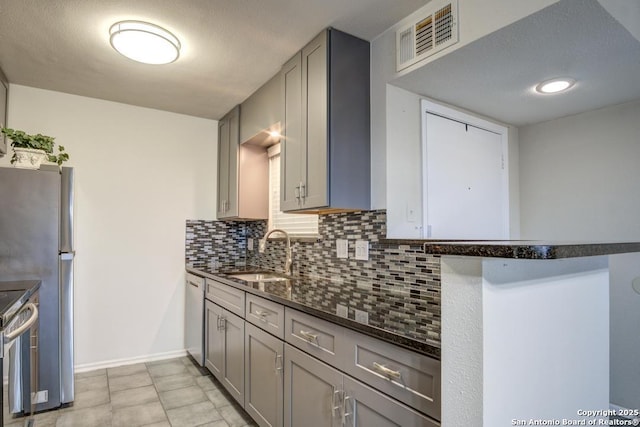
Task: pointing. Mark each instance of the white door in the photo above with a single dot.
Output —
(466, 185)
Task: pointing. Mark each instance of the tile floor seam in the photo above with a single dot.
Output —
(204, 392)
(158, 393)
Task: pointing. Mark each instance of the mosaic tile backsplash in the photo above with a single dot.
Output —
(404, 280)
(212, 243)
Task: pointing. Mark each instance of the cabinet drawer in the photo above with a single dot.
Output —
(412, 378)
(369, 407)
(265, 314)
(195, 280)
(226, 296)
(317, 337)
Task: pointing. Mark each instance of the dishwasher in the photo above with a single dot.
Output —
(194, 317)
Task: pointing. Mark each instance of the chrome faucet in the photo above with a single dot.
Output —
(289, 259)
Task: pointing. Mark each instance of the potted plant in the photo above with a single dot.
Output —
(29, 151)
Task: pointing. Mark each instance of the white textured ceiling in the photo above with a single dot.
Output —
(495, 75)
(230, 47)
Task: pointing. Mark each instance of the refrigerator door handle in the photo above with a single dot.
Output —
(66, 328)
(66, 210)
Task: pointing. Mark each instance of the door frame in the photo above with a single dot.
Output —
(448, 112)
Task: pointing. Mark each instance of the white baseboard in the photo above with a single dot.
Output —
(621, 410)
(129, 361)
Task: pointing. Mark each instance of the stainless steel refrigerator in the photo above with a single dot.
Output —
(36, 242)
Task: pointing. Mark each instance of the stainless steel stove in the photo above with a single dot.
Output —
(19, 343)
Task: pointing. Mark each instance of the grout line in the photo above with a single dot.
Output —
(153, 382)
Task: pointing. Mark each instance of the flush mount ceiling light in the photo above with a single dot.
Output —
(144, 42)
(555, 85)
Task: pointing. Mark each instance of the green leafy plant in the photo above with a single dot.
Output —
(45, 143)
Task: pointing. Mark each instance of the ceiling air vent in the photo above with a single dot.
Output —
(430, 34)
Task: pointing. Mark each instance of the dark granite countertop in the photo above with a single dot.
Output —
(319, 297)
(520, 249)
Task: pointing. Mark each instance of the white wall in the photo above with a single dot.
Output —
(404, 164)
(404, 192)
(579, 181)
(476, 19)
(140, 173)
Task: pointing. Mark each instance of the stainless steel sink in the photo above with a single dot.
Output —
(259, 277)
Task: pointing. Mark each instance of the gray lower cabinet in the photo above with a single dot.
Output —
(311, 390)
(364, 406)
(323, 375)
(214, 338)
(264, 386)
(318, 395)
(225, 348)
(407, 376)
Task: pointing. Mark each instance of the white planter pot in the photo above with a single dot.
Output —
(28, 158)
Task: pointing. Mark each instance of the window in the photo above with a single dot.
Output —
(301, 225)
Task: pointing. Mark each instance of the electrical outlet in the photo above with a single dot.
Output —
(250, 243)
(342, 248)
(342, 310)
(411, 212)
(362, 250)
(362, 316)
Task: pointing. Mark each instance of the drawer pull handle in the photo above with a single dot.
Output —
(311, 338)
(221, 323)
(386, 371)
(345, 414)
(335, 402)
(262, 315)
(278, 366)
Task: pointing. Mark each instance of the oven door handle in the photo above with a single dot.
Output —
(26, 325)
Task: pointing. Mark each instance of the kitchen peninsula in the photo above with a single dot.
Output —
(525, 330)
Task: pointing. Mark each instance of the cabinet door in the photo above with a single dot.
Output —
(223, 167)
(291, 142)
(233, 364)
(264, 385)
(228, 145)
(364, 407)
(234, 145)
(311, 390)
(214, 343)
(467, 190)
(4, 91)
(314, 123)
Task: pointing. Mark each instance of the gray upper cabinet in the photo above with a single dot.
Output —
(228, 144)
(291, 153)
(326, 125)
(4, 93)
(261, 114)
(243, 173)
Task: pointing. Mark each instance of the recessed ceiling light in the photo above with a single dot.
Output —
(144, 42)
(555, 85)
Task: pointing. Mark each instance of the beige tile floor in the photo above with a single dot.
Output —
(168, 393)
